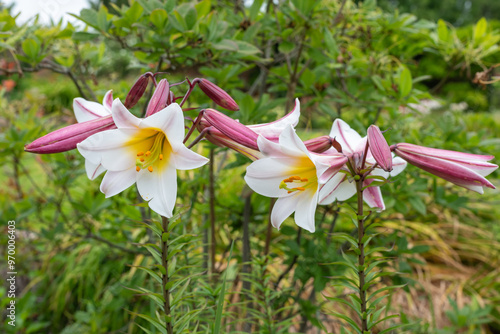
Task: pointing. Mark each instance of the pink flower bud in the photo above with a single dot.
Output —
(379, 148)
(65, 139)
(217, 94)
(463, 169)
(319, 144)
(159, 99)
(137, 90)
(232, 129)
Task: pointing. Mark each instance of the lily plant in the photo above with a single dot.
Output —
(300, 174)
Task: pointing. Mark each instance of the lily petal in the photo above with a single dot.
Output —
(88, 110)
(122, 117)
(345, 136)
(160, 189)
(93, 170)
(115, 182)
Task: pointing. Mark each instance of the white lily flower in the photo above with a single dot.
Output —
(292, 174)
(338, 187)
(144, 151)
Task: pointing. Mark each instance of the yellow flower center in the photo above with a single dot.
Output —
(154, 149)
(303, 176)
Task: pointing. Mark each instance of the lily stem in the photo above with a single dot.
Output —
(361, 256)
(165, 278)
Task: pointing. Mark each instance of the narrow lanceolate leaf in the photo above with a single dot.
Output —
(384, 319)
(344, 237)
(384, 289)
(345, 302)
(154, 322)
(348, 320)
(220, 301)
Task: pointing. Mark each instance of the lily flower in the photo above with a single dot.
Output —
(144, 151)
(463, 169)
(339, 187)
(292, 174)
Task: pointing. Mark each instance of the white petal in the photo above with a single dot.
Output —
(184, 159)
(305, 210)
(345, 136)
(264, 177)
(170, 120)
(283, 208)
(338, 188)
(160, 189)
(113, 149)
(291, 144)
(398, 165)
(116, 182)
(107, 101)
(373, 197)
(87, 110)
(268, 147)
(273, 130)
(93, 170)
(122, 117)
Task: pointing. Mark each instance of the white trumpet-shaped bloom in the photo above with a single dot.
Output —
(144, 151)
(292, 174)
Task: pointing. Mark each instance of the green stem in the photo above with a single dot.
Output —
(361, 256)
(166, 291)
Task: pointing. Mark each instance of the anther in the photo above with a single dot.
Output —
(304, 180)
(137, 168)
(148, 153)
(142, 159)
(161, 156)
(150, 168)
(140, 153)
(300, 188)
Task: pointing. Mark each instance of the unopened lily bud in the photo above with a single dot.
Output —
(217, 94)
(463, 169)
(234, 130)
(159, 99)
(379, 148)
(65, 139)
(319, 144)
(137, 90)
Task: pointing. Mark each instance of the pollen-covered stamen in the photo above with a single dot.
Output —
(301, 183)
(146, 160)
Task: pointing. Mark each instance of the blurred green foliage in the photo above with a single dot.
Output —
(82, 261)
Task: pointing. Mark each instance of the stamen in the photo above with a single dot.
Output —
(137, 168)
(140, 153)
(142, 159)
(150, 169)
(148, 153)
(300, 188)
(161, 156)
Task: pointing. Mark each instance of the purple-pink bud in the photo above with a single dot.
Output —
(379, 148)
(217, 94)
(159, 99)
(463, 169)
(319, 144)
(137, 90)
(234, 130)
(66, 138)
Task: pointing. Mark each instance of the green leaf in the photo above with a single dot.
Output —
(418, 204)
(203, 8)
(31, 48)
(340, 236)
(191, 17)
(405, 82)
(286, 47)
(480, 29)
(348, 320)
(255, 9)
(154, 322)
(159, 17)
(220, 300)
(442, 31)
